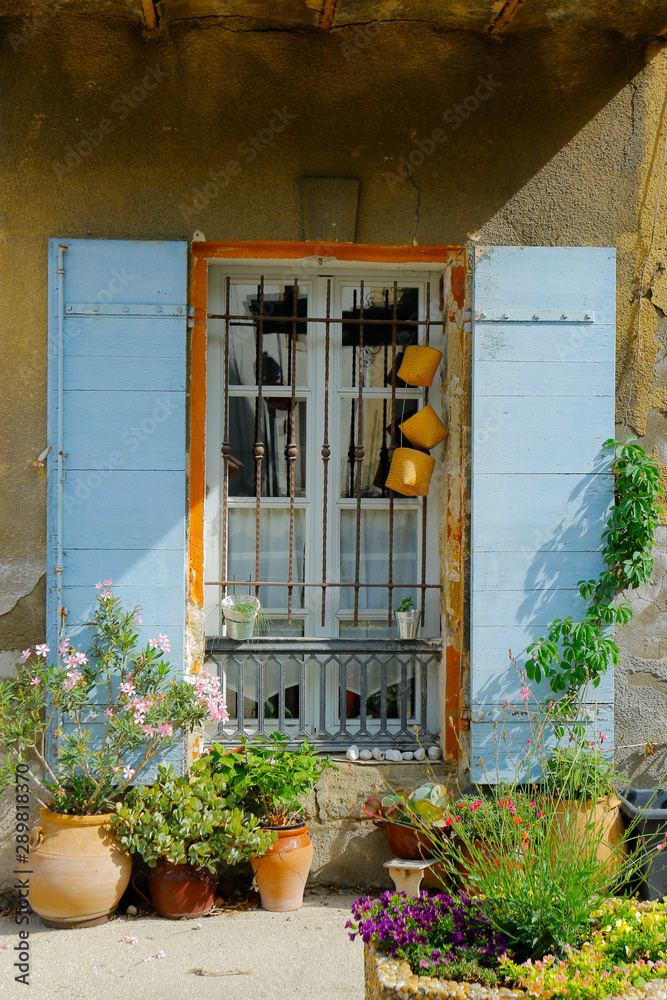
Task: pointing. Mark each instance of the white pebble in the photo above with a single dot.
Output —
(131, 911)
(408, 755)
(420, 754)
(394, 755)
(365, 754)
(434, 753)
(377, 754)
(352, 752)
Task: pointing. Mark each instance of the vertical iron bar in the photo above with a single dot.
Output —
(261, 673)
(363, 667)
(281, 695)
(423, 679)
(404, 695)
(240, 696)
(259, 447)
(342, 681)
(424, 508)
(292, 450)
(226, 449)
(391, 452)
(323, 696)
(359, 452)
(326, 451)
(383, 697)
(302, 695)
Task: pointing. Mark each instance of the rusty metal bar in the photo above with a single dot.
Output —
(226, 448)
(326, 450)
(292, 452)
(424, 499)
(320, 585)
(333, 319)
(281, 696)
(392, 448)
(259, 446)
(359, 452)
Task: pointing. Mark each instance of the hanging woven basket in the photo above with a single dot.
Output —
(419, 365)
(410, 472)
(424, 428)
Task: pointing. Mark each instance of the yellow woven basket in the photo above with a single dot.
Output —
(424, 428)
(410, 472)
(419, 365)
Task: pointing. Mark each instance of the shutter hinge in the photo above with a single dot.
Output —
(123, 309)
(534, 316)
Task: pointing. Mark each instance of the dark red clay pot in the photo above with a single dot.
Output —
(407, 843)
(180, 891)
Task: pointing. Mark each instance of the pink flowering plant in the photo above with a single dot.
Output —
(112, 711)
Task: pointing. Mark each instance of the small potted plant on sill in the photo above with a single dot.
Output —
(182, 827)
(407, 619)
(242, 612)
(272, 782)
(112, 712)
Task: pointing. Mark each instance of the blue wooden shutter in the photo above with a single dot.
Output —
(117, 360)
(543, 404)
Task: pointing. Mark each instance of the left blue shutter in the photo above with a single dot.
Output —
(117, 367)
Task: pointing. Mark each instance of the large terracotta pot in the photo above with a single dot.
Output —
(408, 843)
(79, 871)
(180, 890)
(281, 873)
(592, 819)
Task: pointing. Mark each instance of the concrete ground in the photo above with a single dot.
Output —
(305, 954)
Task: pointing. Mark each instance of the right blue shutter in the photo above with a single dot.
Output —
(543, 405)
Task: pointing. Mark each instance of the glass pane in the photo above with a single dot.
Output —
(378, 305)
(276, 335)
(376, 440)
(278, 628)
(274, 552)
(276, 435)
(272, 690)
(374, 690)
(374, 554)
(366, 629)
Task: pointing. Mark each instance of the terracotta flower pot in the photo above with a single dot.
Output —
(180, 890)
(468, 860)
(408, 843)
(592, 819)
(282, 872)
(79, 871)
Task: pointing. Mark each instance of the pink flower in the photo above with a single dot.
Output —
(165, 729)
(98, 586)
(603, 737)
(506, 704)
(162, 643)
(128, 773)
(550, 705)
(525, 693)
(109, 713)
(63, 648)
(140, 620)
(106, 595)
(34, 682)
(72, 679)
(42, 649)
(107, 583)
(127, 687)
(130, 939)
(149, 730)
(25, 655)
(98, 966)
(79, 658)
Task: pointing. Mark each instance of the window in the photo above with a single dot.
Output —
(304, 407)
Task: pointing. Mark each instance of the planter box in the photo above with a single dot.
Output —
(646, 811)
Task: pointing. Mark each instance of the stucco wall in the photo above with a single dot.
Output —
(558, 139)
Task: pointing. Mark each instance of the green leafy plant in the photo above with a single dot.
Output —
(140, 708)
(576, 653)
(267, 778)
(428, 805)
(407, 604)
(581, 772)
(187, 821)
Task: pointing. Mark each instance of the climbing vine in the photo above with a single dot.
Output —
(576, 653)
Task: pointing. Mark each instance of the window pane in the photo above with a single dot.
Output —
(276, 335)
(374, 555)
(376, 440)
(366, 629)
(374, 690)
(274, 552)
(276, 434)
(378, 305)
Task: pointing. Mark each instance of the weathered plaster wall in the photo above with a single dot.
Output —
(111, 134)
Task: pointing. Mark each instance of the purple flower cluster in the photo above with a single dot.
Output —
(454, 927)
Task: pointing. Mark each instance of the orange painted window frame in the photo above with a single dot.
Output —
(353, 252)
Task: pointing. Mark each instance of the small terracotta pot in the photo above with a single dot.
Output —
(407, 843)
(465, 864)
(179, 890)
(79, 870)
(282, 872)
(592, 820)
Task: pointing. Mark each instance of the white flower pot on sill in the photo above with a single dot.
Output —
(240, 621)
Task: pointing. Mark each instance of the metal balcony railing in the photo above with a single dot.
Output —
(334, 692)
